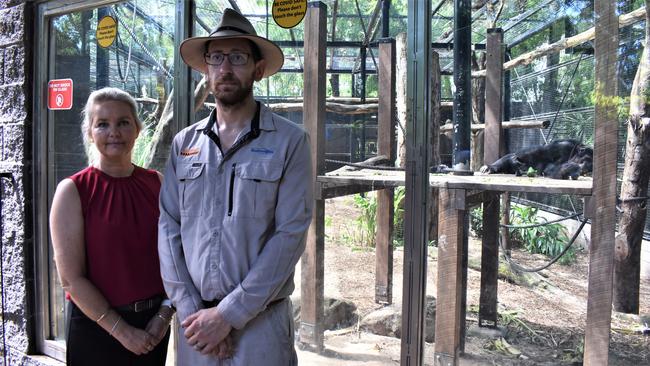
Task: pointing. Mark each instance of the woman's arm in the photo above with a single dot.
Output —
(67, 230)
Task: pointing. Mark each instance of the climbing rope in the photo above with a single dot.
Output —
(144, 49)
(541, 223)
(521, 268)
(123, 79)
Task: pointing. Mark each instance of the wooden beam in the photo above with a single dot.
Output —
(601, 250)
(450, 277)
(313, 260)
(588, 35)
(370, 108)
(342, 100)
(493, 149)
(504, 125)
(493, 137)
(327, 191)
(386, 147)
(487, 313)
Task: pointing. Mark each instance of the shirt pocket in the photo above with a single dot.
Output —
(191, 179)
(255, 191)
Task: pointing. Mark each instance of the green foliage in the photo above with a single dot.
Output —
(549, 239)
(366, 222)
(363, 234)
(142, 146)
(531, 172)
(511, 318)
(476, 221)
(398, 216)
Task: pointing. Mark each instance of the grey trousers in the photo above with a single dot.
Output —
(267, 340)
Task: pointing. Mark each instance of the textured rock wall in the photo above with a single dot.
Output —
(16, 23)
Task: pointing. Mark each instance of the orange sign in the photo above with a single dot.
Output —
(289, 13)
(59, 94)
(106, 31)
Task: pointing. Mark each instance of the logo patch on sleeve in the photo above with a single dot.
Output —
(261, 150)
(190, 152)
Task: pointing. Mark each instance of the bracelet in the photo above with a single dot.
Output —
(102, 316)
(115, 326)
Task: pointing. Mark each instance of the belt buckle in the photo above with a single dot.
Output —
(139, 306)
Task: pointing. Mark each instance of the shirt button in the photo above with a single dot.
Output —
(213, 266)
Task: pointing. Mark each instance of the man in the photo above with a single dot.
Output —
(235, 206)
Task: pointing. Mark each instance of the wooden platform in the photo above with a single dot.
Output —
(339, 183)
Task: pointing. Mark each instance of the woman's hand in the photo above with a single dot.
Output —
(225, 349)
(158, 324)
(135, 340)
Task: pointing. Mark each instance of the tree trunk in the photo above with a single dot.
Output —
(634, 188)
(478, 112)
(434, 141)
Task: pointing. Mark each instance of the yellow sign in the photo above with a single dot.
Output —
(106, 31)
(289, 13)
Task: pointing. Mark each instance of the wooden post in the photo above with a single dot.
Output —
(505, 220)
(434, 144)
(601, 253)
(313, 260)
(385, 146)
(494, 96)
(487, 315)
(449, 303)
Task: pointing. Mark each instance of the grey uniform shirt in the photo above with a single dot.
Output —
(233, 227)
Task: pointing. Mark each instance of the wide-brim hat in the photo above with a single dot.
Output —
(232, 25)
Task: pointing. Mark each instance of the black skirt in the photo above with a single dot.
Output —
(89, 344)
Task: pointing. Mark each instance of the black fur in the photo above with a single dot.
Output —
(560, 159)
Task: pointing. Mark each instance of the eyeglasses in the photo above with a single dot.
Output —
(235, 58)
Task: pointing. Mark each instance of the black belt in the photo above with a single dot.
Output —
(142, 305)
(214, 303)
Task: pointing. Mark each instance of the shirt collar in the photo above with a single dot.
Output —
(266, 120)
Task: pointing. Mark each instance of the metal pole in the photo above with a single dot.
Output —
(417, 182)
(463, 83)
(462, 122)
(385, 19)
(362, 154)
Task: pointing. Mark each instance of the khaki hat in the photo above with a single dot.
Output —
(232, 25)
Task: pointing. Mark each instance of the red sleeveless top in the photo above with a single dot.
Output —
(121, 233)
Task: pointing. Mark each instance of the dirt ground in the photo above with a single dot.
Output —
(543, 325)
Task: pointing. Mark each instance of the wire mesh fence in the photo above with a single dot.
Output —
(559, 87)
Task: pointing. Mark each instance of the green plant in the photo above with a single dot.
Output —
(367, 223)
(398, 216)
(476, 221)
(364, 234)
(511, 317)
(549, 239)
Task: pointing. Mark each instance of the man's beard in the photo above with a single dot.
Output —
(234, 97)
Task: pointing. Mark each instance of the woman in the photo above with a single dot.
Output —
(104, 233)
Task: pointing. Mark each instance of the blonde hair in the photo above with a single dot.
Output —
(107, 94)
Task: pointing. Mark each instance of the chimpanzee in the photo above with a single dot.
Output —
(560, 159)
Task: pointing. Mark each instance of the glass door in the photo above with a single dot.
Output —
(129, 45)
